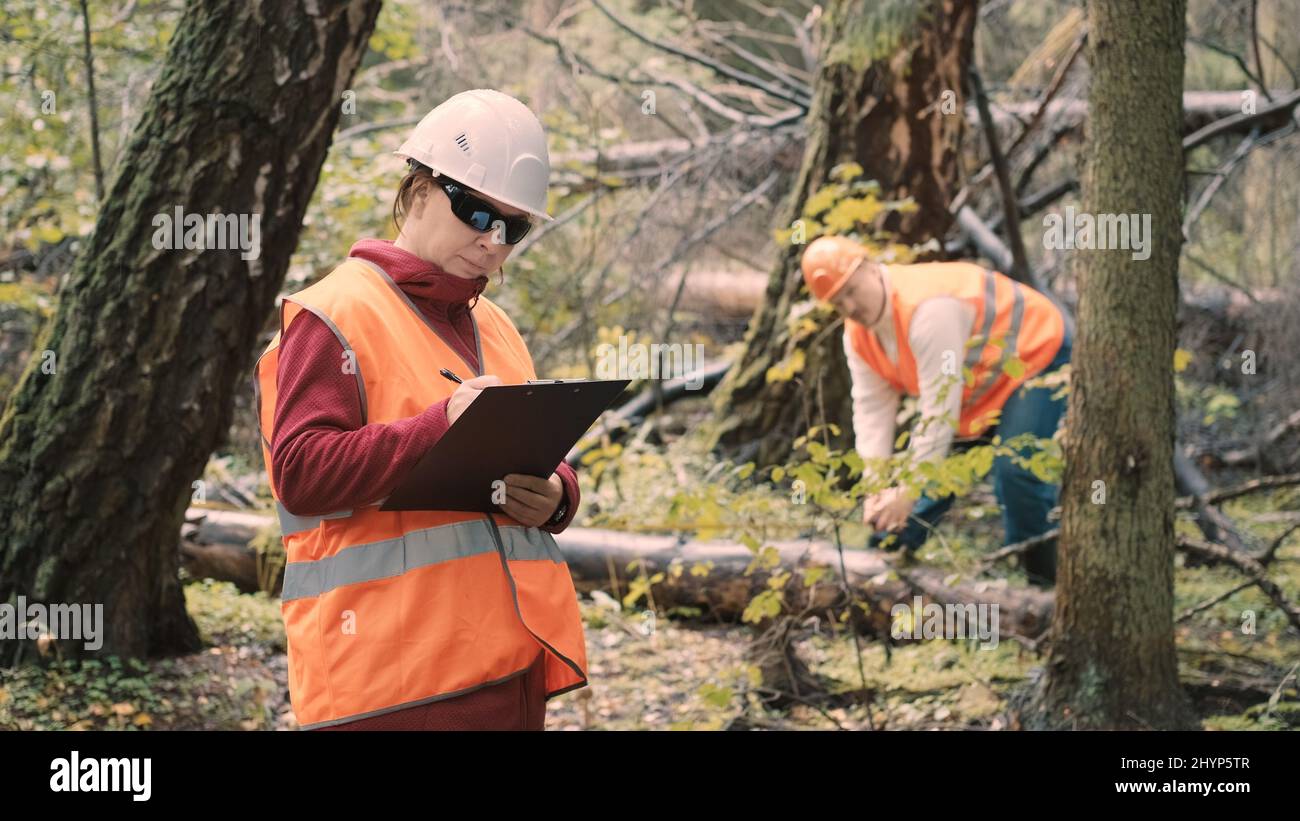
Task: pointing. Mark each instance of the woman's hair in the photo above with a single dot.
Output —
(416, 175)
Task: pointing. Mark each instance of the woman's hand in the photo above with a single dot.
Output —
(532, 501)
(887, 510)
(466, 392)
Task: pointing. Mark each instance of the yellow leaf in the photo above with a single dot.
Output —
(142, 720)
(1182, 358)
(846, 172)
(823, 199)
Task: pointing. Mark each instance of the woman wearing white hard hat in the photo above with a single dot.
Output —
(419, 619)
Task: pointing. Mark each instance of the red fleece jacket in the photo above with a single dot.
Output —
(323, 458)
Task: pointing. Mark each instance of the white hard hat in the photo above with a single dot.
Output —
(488, 141)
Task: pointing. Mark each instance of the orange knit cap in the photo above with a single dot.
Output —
(828, 262)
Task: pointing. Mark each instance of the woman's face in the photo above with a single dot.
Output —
(433, 233)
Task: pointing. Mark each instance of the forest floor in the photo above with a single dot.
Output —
(683, 675)
(1238, 658)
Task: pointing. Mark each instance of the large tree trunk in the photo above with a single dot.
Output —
(866, 109)
(98, 457)
(1112, 662)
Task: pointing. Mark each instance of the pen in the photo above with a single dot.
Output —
(453, 377)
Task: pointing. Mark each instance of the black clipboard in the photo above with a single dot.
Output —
(527, 428)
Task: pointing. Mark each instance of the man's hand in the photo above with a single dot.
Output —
(887, 510)
(467, 392)
(532, 501)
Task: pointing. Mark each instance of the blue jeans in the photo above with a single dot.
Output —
(1025, 500)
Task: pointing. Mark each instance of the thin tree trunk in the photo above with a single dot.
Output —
(115, 419)
(1112, 661)
(88, 56)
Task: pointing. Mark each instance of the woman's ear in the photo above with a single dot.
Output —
(419, 197)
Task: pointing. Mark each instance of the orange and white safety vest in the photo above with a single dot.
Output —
(385, 610)
(1011, 320)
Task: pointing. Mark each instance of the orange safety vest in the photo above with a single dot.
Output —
(1011, 320)
(385, 610)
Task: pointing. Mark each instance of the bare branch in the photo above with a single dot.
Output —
(1220, 176)
(1058, 80)
(568, 216)
(1254, 39)
(762, 64)
(720, 108)
(1252, 486)
(696, 57)
(1270, 117)
(382, 125)
(1246, 564)
(1019, 270)
(556, 339)
(1232, 55)
(1224, 278)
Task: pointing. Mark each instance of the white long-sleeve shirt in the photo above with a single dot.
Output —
(940, 329)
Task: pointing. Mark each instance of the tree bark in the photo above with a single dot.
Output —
(872, 112)
(1112, 661)
(149, 345)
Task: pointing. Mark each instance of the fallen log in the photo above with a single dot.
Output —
(215, 544)
(729, 294)
(1221, 111)
(599, 560)
(223, 562)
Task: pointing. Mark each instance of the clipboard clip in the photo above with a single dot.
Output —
(555, 381)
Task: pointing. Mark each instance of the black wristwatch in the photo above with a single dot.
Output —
(560, 513)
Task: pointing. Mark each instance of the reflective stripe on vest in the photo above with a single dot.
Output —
(1012, 338)
(419, 548)
(291, 523)
(990, 311)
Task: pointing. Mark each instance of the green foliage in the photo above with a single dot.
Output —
(850, 205)
(1210, 403)
(224, 615)
(47, 186)
(91, 694)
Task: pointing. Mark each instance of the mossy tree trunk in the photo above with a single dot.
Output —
(148, 346)
(888, 97)
(1112, 661)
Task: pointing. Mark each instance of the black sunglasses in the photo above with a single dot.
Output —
(480, 215)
